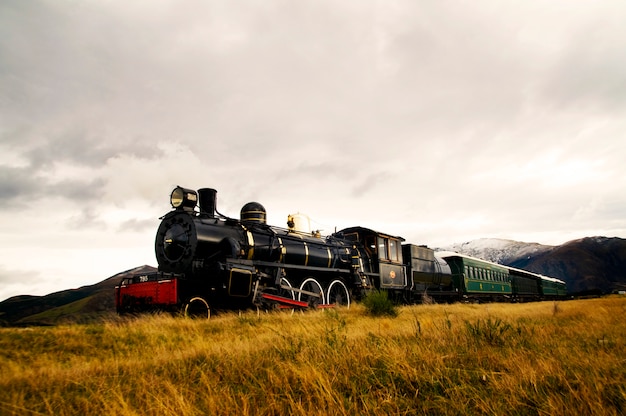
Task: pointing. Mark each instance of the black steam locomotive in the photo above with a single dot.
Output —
(208, 260)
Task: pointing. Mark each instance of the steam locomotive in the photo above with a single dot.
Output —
(210, 261)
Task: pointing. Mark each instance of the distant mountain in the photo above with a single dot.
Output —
(498, 250)
(75, 305)
(587, 265)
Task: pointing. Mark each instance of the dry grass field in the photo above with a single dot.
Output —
(565, 358)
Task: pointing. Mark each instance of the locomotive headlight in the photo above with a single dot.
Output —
(182, 198)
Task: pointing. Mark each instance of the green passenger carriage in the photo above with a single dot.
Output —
(553, 288)
(478, 278)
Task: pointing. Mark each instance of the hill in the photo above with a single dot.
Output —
(73, 305)
(593, 264)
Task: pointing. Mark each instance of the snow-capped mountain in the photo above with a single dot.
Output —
(499, 250)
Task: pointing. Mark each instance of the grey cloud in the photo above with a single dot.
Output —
(591, 73)
(88, 148)
(371, 183)
(88, 217)
(25, 183)
(20, 187)
(70, 147)
(16, 184)
(138, 225)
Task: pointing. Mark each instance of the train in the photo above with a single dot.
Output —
(208, 261)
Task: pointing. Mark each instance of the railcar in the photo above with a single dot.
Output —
(552, 288)
(478, 279)
(208, 260)
(429, 273)
(526, 285)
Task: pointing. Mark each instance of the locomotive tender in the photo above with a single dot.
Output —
(207, 260)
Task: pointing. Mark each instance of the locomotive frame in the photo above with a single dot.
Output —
(210, 261)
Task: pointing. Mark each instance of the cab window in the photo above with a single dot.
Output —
(382, 248)
(393, 250)
(370, 244)
(352, 237)
(389, 249)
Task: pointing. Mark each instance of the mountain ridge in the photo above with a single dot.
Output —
(497, 250)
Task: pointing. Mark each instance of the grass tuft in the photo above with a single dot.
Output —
(377, 303)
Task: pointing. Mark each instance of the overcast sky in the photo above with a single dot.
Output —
(439, 121)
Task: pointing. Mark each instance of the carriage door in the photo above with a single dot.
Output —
(392, 271)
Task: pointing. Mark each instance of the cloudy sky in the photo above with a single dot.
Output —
(440, 121)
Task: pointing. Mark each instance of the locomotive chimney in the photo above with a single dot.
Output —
(207, 197)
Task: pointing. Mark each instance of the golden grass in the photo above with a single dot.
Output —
(529, 359)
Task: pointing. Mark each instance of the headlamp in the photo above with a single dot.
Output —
(182, 198)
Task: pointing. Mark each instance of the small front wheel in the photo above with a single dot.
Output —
(197, 308)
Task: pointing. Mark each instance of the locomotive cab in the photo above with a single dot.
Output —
(383, 254)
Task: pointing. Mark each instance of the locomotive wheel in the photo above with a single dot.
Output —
(313, 286)
(338, 294)
(197, 308)
(287, 293)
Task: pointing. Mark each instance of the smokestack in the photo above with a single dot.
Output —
(207, 197)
